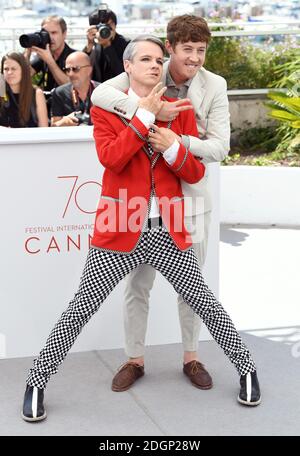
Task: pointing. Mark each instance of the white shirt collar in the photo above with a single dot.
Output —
(133, 95)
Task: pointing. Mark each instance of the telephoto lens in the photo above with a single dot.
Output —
(39, 39)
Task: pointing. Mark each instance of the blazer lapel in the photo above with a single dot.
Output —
(196, 90)
(164, 73)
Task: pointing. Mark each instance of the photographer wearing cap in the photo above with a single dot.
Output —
(71, 102)
(51, 58)
(105, 46)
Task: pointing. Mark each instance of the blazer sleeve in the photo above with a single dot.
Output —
(186, 166)
(216, 144)
(116, 146)
(110, 96)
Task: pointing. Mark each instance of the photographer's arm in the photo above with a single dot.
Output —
(110, 96)
(65, 121)
(90, 36)
(58, 119)
(59, 76)
(45, 54)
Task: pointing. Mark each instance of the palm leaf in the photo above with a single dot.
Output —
(291, 104)
(283, 115)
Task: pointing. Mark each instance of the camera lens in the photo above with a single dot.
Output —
(29, 40)
(39, 39)
(104, 32)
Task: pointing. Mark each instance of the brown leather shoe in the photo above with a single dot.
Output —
(127, 374)
(198, 375)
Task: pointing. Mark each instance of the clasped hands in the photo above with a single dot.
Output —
(162, 138)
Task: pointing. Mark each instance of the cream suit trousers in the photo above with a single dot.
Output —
(138, 285)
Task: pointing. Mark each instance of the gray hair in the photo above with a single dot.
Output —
(131, 50)
(58, 19)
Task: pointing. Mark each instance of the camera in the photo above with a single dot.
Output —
(39, 39)
(82, 117)
(104, 30)
(98, 18)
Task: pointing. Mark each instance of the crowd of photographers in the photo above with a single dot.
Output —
(64, 78)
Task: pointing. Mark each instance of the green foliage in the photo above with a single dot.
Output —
(245, 65)
(253, 146)
(36, 78)
(231, 159)
(280, 157)
(285, 107)
(257, 139)
(288, 73)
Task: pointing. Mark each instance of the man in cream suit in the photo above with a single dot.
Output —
(185, 78)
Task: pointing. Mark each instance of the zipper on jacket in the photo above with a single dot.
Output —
(110, 198)
(152, 195)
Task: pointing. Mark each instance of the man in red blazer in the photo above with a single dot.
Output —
(140, 220)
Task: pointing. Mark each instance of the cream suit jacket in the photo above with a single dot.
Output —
(208, 94)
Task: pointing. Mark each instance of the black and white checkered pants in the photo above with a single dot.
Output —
(104, 270)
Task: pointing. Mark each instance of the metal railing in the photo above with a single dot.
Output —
(76, 35)
(77, 32)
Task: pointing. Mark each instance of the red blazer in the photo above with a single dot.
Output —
(129, 176)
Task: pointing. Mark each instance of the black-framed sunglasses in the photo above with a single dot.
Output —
(75, 69)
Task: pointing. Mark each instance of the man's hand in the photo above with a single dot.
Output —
(44, 54)
(153, 102)
(66, 121)
(91, 34)
(170, 110)
(162, 138)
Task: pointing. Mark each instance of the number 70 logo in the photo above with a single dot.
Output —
(79, 193)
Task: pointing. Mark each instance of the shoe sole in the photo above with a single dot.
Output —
(32, 420)
(202, 387)
(207, 387)
(120, 390)
(117, 389)
(251, 404)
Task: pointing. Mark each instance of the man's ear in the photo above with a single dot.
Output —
(127, 66)
(168, 47)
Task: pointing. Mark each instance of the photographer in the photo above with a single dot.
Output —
(71, 102)
(105, 46)
(51, 58)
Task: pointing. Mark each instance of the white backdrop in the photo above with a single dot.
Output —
(49, 189)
